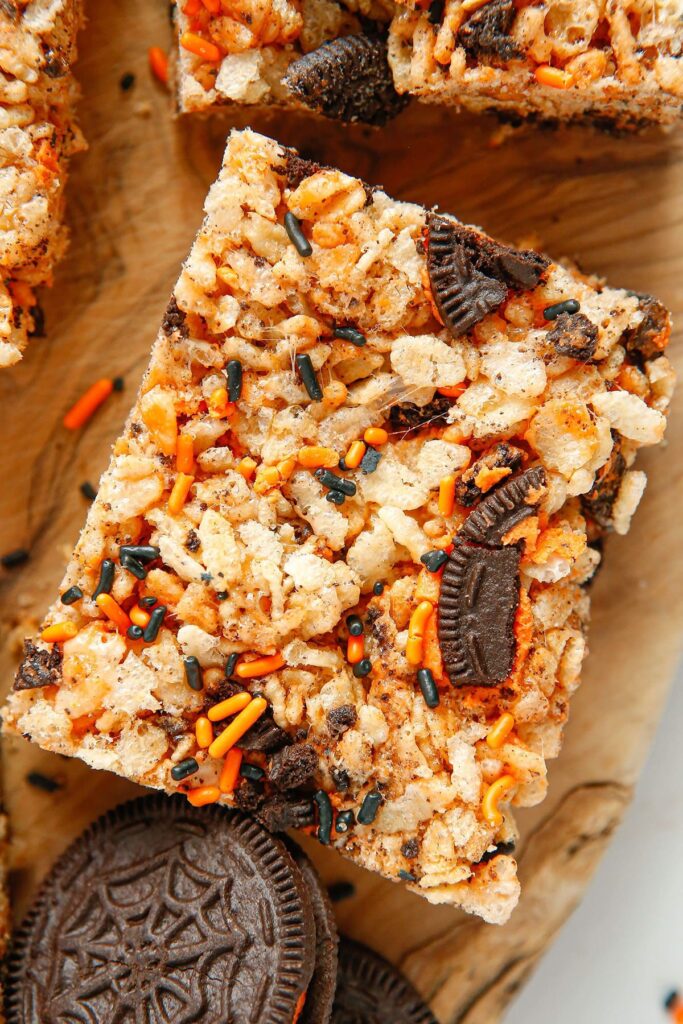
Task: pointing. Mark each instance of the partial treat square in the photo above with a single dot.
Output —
(616, 65)
(38, 134)
(335, 574)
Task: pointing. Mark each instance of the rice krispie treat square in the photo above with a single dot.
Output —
(38, 134)
(335, 574)
(616, 64)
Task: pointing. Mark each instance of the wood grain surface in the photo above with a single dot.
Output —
(134, 205)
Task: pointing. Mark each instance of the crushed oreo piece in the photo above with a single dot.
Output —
(649, 339)
(410, 849)
(264, 735)
(486, 33)
(174, 319)
(598, 503)
(293, 767)
(574, 335)
(297, 168)
(39, 667)
(499, 850)
(347, 79)
(502, 510)
(55, 64)
(408, 417)
(341, 779)
(477, 608)
(501, 456)
(341, 718)
(281, 812)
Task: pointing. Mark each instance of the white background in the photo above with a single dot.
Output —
(622, 951)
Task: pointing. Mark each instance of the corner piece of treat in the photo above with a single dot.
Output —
(38, 136)
(335, 573)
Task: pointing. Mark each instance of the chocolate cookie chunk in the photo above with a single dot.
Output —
(347, 79)
(163, 912)
(371, 991)
(470, 275)
(498, 513)
(39, 667)
(486, 33)
(598, 503)
(293, 766)
(477, 608)
(650, 338)
(502, 456)
(574, 335)
(408, 416)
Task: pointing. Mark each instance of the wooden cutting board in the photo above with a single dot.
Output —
(134, 205)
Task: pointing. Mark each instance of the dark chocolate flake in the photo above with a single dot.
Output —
(477, 608)
(504, 509)
(39, 667)
(347, 79)
(341, 718)
(486, 33)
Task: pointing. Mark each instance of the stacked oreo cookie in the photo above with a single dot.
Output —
(168, 914)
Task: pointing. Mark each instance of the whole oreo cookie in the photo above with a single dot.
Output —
(371, 991)
(164, 913)
(320, 996)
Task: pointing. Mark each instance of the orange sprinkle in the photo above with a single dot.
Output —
(83, 724)
(246, 467)
(192, 7)
(229, 707)
(286, 468)
(260, 667)
(230, 772)
(237, 728)
(375, 436)
(178, 496)
(219, 406)
(487, 478)
(113, 611)
(455, 392)
(419, 618)
(203, 795)
(355, 454)
(315, 456)
(496, 792)
(500, 730)
(203, 730)
(299, 1007)
(355, 649)
(200, 47)
(267, 477)
(554, 77)
(431, 656)
(184, 456)
(158, 62)
(59, 632)
(212, 6)
(447, 495)
(139, 616)
(92, 399)
(414, 648)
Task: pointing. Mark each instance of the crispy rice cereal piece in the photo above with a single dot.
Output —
(38, 135)
(322, 594)
(613, 63)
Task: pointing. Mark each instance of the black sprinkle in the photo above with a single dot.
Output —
(339, 891)
(135, 632)
(436, 11)
(369, 808)
(38, 314)
(434, 560)
(362, 668)
(570, 306)
(354, 624)
(252, 771)
(336, 483)
(428, 687)
(118, 383)
(127, 81)
(406, 876)
(147, 602)
(152, 628)
(378, 588)
(345, 821)
(497, 851)
(310, 381)
(234, 380)
(14, 558)
(342, 465)
(183, 769)
(140, 552)
(230, 665)
(222, 595)
(134, 567)
(370, 461)
(45, 782)
(296, 235)
(324, 806)
(193, 673)
(106, 580)
(88, 491)
(71, 595)
(671, 1000)
(352, 335)
(335, 497)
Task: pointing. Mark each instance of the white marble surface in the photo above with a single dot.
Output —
(622, 951)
